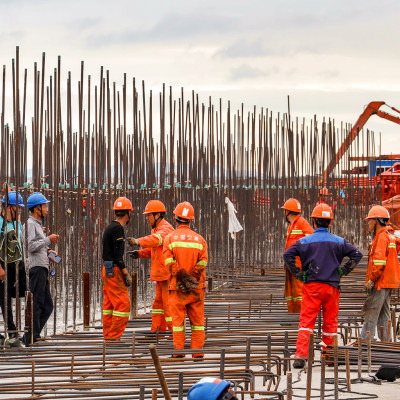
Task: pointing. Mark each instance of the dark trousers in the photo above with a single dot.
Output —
(10, 288)
(42, 301)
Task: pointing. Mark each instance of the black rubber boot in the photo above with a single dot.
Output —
(299, 363)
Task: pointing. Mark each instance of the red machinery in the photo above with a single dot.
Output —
(371, 109)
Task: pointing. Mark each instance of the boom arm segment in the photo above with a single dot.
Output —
(371, 109)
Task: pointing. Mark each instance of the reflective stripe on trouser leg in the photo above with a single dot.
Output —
(178, 312)
(116, 294)
(330, 311)
(160, 307)
(195, 310)
(293, 292)
(165, 300)
(310, 307)
(158, 316)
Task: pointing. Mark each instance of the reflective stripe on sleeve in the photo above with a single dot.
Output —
(296, 232)
(392, 245)
(306, 329)
(289, 298)
(121, 314)
(188, 245)
(159, 238)
(197, 328)
(379, 262)
(177, 329)
(107, 312)
(300, 298)
(170, 261)
(168, 319)
(202, 262)
(157, 311)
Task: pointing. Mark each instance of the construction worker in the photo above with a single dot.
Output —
(321, 255)
(297, 229)
(116, 280)
(154, 213)
(10, 216)
(383, 273)
(324, 196)
(37, 251)
(185, 254)
(211, 389)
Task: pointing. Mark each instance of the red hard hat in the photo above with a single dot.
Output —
(154, 206)
(292, 205)
(122, 203)
(184, 210)
(378, 212)
(322, 211)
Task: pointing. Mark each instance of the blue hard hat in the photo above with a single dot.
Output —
(208, 389)
(35, 199)
(12, 199)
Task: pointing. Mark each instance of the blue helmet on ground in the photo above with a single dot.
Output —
(210, 389)
(12, 199)
(35, 199)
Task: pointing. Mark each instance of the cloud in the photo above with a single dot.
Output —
(177, 27)
(244, 48)
(245, 71)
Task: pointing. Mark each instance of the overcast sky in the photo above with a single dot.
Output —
(331, 57)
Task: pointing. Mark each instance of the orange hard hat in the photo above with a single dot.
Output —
(292, 205)
(154, 206)
(122, 203)
(322, 211)
(378, 212)
(324, 191)
(184, 210)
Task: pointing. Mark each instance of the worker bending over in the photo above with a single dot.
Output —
(185, 253)
(116, 280)
(321, 255)
(383, 273)
(154, 213)
(297, 229)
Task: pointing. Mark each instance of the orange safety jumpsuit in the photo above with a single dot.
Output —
(161, 317)
(293, 287)
(384, 270)
(116, 305)
(186, 249)
(383, 263)
(116, 302)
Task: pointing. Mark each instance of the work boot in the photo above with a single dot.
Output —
(178, 356)
(198, 358)
(299, 363)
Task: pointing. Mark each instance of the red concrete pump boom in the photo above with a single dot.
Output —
(371, 109)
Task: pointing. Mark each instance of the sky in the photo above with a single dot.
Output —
(331, 57)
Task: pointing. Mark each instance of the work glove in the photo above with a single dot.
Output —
(185, 281)
(132, 241)
(128, 280)
(339, 271)
(302, 275)
(134, 254)
(369, 286)
(196, 273)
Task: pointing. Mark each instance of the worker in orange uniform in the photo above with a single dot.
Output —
(185, 253)
(297, 229)
(154, 213)
(321, 256)
(116, 280)
(324, 196)
(383, 273)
